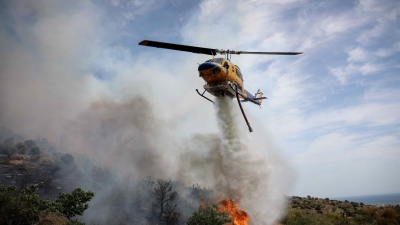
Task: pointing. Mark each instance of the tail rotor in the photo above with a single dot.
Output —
(259, 96)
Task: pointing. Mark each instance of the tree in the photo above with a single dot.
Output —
(30, 144)
(164, 207)
(67, 159)
(26, 207)
(74, 203)
(35, 151)
(209, 215)
(21, 148)
(35, 154)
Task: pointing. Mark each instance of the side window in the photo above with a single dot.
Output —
(239, 74)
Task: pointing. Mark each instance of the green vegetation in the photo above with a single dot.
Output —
(26, 207)
(209, 215)
(311, 210)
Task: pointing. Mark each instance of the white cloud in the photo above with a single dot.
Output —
(382, 148)
(347, 147)
(382, 16)
(368, 114)
(346, 74)
(357, 55)
(329, 148)
(380, 93)
(114, 2)
(370, 68)
(343, 73)
(386, 52)
(335, 25)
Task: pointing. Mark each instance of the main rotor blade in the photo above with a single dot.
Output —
(269, 53)
(185, 48)
(206, 51)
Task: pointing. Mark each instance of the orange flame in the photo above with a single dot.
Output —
(238, 216)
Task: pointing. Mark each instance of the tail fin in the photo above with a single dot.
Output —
(259, 97)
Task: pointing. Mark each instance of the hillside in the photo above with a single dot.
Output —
(310, 210)
(26, 162)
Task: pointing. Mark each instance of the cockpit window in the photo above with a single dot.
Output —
(239, 73)
(216, 60)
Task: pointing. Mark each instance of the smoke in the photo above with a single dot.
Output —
(126, 137)
(129, 139)
(44, 78)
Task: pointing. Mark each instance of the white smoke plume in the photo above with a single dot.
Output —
(128, 138)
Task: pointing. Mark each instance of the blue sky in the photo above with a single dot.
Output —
(333, 112)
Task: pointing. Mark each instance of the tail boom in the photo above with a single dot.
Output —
(256, 99)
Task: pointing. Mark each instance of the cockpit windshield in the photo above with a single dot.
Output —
(216, 60)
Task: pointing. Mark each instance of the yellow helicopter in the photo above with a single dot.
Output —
(222, 77)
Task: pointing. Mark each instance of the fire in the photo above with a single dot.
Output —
(238, 216)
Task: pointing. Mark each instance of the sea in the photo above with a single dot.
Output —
(383, 199)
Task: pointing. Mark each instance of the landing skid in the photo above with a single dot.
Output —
(202, 95)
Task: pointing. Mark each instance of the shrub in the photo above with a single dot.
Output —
(50, 166)
(30, 144)
(35, 151)
(209, 215)
(26, 207)
(21, 148)
(7, 150)
(388, 213)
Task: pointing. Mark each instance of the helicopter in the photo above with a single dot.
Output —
(222, 77)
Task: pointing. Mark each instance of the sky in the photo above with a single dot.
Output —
(332, 114)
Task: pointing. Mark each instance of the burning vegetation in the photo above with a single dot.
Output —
(238, 216)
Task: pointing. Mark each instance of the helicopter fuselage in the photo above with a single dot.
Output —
(220, 75)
